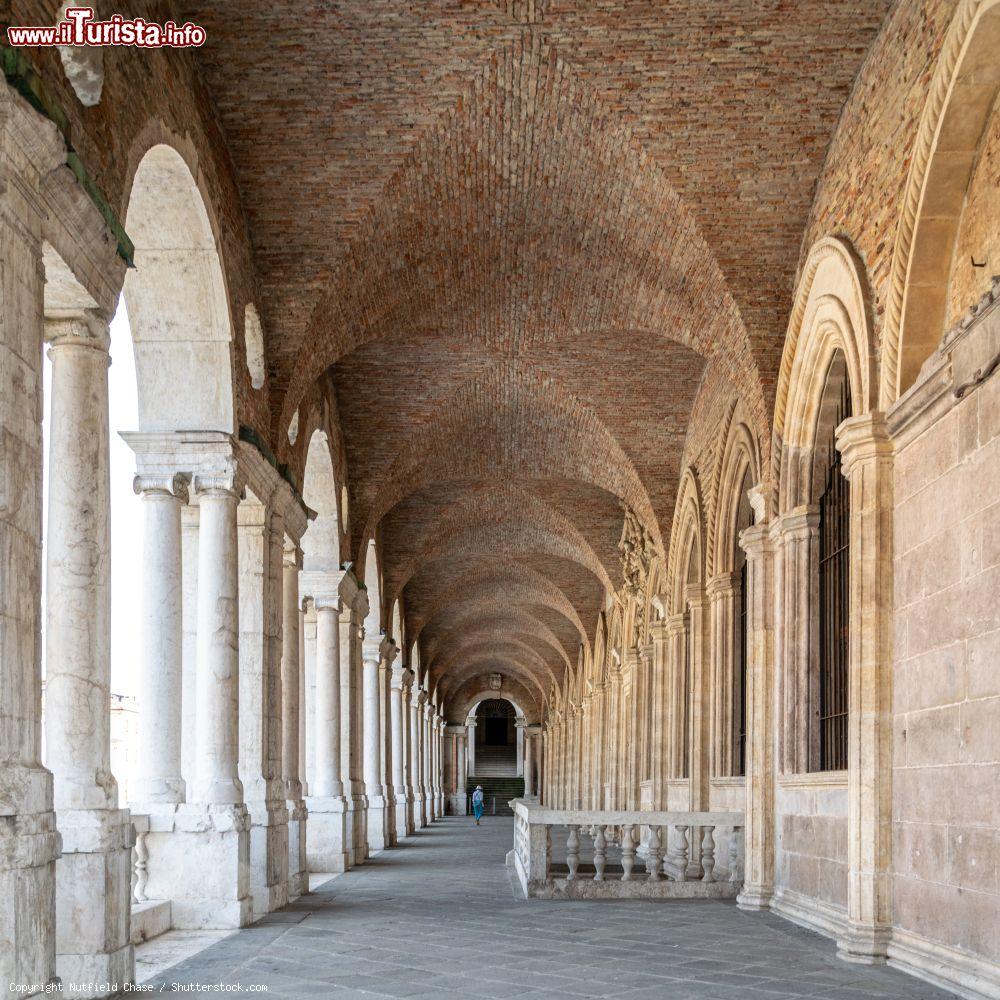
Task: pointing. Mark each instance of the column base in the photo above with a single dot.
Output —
(94, 955)
(403, 821)
(199, 859)
(29, 846)
(755, 898)
(268, 856)
(377, 819)
(357, 829)
(457, 804)
(418, 811)
(298, 869)
(864, 944)
(327, 834)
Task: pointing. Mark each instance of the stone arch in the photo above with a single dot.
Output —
(831, 317)
(962, 96)
(740, 457)
(466, 699)
(373, 585)
(687, 546)
(177, 300)
(321, 541)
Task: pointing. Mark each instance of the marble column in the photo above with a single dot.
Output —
(354, 610)
(328, 836)
(407, 709)
(460, 800)
(30, 147)
(519, 746)
(417, 697)
(387, 653)
(208, 866)
(529, 768)
(439, 766)
(158, 775)
(291, 679)
(758, 880)
(260, 536)
(470, 726)
(93, 874)
(190, 519)
(374, 790)
(398, 726)
(866, 457)
(425, 762)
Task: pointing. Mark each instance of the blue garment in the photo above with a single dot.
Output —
(477, 804)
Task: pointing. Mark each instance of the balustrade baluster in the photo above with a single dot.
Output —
(735, 843)
(600, 854)
(682, 853)
(653, 857)
(141, 872)
(708, 853)
(573, 852)
(628, 852)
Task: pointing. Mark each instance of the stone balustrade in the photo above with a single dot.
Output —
(626, 854)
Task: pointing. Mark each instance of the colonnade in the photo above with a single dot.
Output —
(237, 816)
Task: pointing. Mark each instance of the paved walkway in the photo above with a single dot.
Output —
(438, 919)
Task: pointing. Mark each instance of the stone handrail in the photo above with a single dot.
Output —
(678, 851)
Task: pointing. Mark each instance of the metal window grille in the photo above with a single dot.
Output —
(740, 714)
(834, 596)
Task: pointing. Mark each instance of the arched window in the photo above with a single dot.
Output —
(830, 740)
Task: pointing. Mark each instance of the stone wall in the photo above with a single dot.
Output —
(946, 699)
(811, 849)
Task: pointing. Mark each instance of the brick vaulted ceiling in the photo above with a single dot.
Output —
(511, 236)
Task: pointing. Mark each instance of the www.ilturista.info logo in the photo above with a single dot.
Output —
(79, 28)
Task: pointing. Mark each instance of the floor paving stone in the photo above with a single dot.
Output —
(441, 917)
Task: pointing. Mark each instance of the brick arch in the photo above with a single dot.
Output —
(477, 618)
(494, 646)
(506, 518)
(502, 660)
(516, 583)
(459, 705)
(630, 253)
(489, 429)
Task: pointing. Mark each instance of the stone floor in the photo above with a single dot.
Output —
(440, 919)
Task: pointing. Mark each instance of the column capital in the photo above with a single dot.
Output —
(861, 439)
(174, 485)
(798, 523)
(676, 624)
(291, 555)
(322, 587)
(419, 697)
(756, 540)
(353, 595)
(77, 327)
(454, 729)
(400, 677)
(388, 650)
(520, 724)
(471, 722)
(722, 585)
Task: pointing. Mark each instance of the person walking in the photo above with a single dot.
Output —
(477, 803)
